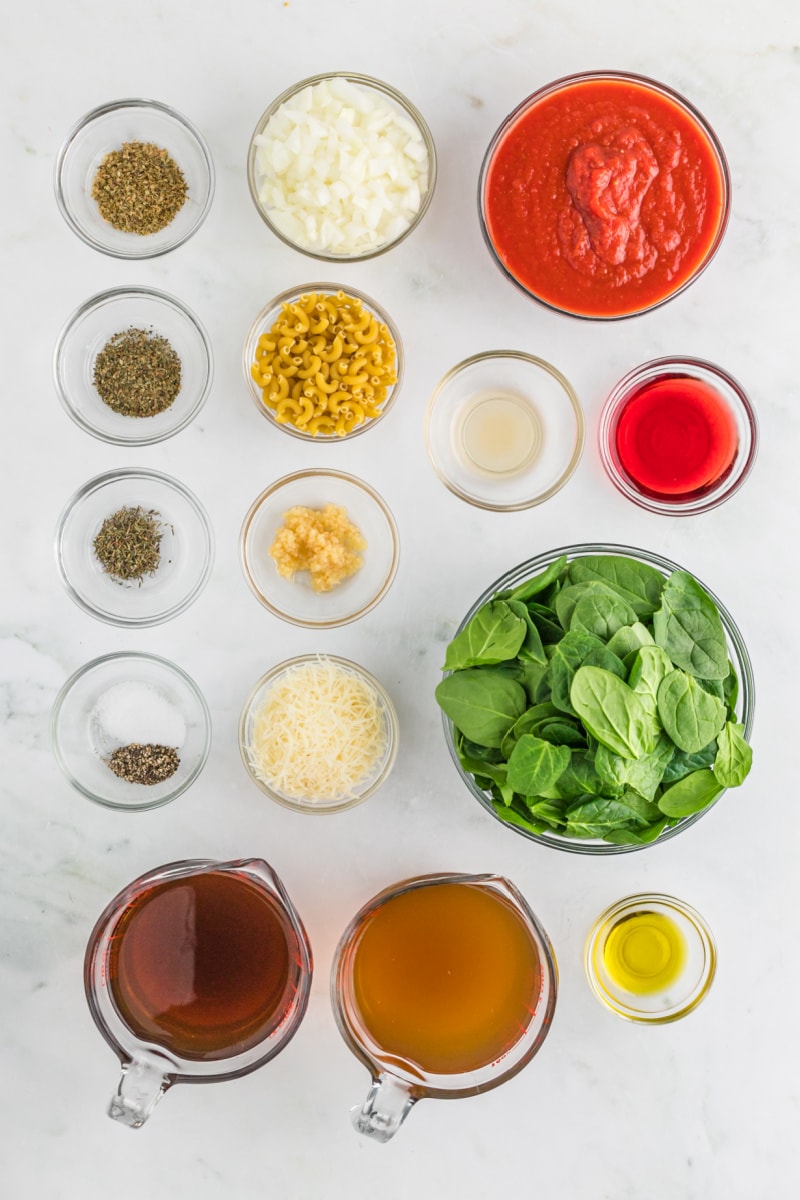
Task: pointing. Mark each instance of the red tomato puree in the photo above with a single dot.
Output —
(604, 197)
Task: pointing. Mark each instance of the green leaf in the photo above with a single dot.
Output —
(637, 583)
(682, 764)
(581, 778)
(643, 775)
(482, 703)
(629, 639)
(577, 649)
(535, 765)
(602, 614)
(613, 713)
(597, 817)
(512, 817)
(690, 795)
(637, 837)
(690, 715)
(689, 629)
(495, 634)
(649, 668)
(734, 756)
(537, 583)
(531, 649)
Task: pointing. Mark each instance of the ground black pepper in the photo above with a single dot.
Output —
(148, 764)
(137, 373)
(139, 188)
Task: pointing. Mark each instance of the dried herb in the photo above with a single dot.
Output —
(139, 188)
(146, 764)
(129, 544)
(137, 373)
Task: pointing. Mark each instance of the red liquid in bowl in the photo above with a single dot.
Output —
(675, 438)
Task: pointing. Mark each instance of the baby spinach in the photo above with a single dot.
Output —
(597, 700)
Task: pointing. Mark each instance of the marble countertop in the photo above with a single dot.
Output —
(707, 1107)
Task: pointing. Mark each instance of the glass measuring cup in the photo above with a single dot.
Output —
(443, 986)
(198, 971)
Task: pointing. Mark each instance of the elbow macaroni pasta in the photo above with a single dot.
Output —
(326, 365)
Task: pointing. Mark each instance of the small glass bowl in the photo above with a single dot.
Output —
(727, 391)
(368, 785)
(684, 992)
(77, 738)
(267, 318)
(105, 129)
(543, 438)
(572, 83)
(187, 548)
(737, 651)
(88, 331)
(404, 108)
(294, 599)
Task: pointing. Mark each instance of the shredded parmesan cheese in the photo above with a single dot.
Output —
(340, 169)
(319, 734)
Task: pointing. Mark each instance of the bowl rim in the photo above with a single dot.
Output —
(744, 671)
(571, 395)
(705, 936)
(120, 656)
(103, 110)
(111, 296)
(258, 327)
(735, 398)
(96, 484)
(646, 82)
(361, 80)
(315, 473)
(389, 714)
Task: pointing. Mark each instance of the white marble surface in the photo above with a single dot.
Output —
(707, 1107)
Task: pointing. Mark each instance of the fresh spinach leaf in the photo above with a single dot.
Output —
(613, 713)
(650, 666)
(597, 817)
(531, 649)
(691, 716)
(630, 638)
(641, 585)
(643, 775)
(546, 622)
(494, 635)
(537, 583)
(602, 614)
(637, 837)
(734, 756)
(535, 765)
(482, 703)
(688, 628)
(682, 764)
(690, 795)
(577, 649)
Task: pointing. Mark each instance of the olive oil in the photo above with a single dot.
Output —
(644, 953)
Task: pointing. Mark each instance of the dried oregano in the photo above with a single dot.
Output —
(128, 545)
(139, 188)
(137, 373)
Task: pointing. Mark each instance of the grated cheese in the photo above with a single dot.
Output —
(319, 734)
(340, 170)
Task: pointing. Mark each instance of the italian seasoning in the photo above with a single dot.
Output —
(148, 764)
(137, 373)
(139, 188)
(128, 545)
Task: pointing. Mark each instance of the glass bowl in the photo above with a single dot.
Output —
(612, 272)
(88, 331)
(644, 951)
(186, 548)
(294, 599)
(737, 652)
(265, 321)
(317, 246)
(711, 428)
(81, 743)
(368, 784)
(106, 129)
(504, 430)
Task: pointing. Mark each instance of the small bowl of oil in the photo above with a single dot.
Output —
(650, 958)
(504, 430)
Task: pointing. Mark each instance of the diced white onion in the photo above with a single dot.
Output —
(340, 169)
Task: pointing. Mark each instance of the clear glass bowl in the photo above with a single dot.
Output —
(368, 785)
(79, 743)
(728, 392)
(187, 548)
(737, 651)
(105, 129)
(404, 108)
(264, 323)
(294, 599)
(88, 331)
(682, 993)
(504, 430)
(641, 83)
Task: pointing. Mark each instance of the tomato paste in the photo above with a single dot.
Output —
(604, 196)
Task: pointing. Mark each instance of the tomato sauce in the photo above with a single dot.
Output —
(605, 197)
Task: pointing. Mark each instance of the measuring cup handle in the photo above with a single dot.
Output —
(386, 1107)
(142, 1084)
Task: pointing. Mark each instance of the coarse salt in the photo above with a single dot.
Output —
(340, 170)
(134, 712)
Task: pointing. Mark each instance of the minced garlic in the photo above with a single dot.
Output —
(323, 542)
